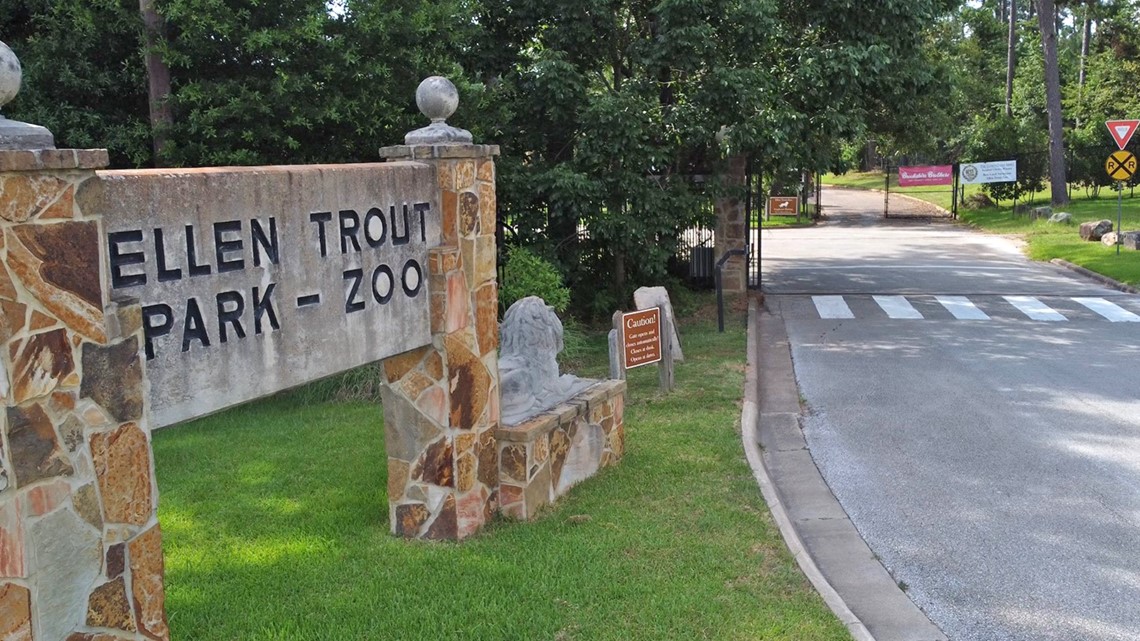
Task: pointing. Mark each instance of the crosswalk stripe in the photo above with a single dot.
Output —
(897, 307)
(832, 307)
(962, 308)
(1034, 308)
(1111, 311)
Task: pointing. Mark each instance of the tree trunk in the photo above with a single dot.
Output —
(1046, 18)
(1011, 58)
(1086, 36)
(619, 277)
(158, 79)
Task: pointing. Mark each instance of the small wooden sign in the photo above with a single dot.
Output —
(641, 337)
(783, 206)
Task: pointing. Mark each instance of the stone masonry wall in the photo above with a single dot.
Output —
(441, 403)
(732, 228)
(80, 546)
(543, 457)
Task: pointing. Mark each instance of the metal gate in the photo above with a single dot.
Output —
(915, 201)
(810, 193)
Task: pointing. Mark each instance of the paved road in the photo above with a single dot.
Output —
(977, 416)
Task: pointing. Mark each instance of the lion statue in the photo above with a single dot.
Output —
(530, 339)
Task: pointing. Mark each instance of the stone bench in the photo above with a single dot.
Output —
(541, 458)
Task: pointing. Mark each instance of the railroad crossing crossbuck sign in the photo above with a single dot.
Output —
(1121, 165)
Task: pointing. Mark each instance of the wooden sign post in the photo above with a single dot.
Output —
(639, 343)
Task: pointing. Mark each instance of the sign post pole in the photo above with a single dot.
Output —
(665, 366)
(1121, 166)
(1119, 208)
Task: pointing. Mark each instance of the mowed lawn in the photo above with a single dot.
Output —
(275, 524)
(1046, 241)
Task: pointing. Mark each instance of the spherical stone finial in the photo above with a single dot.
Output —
(437, 98)
(10, 74)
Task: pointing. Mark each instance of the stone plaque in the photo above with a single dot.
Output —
(642, 337)
(255, 280)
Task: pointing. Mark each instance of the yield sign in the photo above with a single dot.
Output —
(1122, 131)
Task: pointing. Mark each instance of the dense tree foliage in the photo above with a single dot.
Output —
(621, 108)
(254, 81)
(969, 122)
(614, 115)
(83, 73)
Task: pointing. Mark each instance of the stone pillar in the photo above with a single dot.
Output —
(441, 403)
(731, 226)
(80, 546)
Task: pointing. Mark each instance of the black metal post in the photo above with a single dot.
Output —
(954, 196)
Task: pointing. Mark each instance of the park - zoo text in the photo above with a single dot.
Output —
(170, 255)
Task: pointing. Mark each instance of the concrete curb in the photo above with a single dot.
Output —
(749, 431)
(1100, 278)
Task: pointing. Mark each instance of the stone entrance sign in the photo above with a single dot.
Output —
(131, 300)
(254, 280)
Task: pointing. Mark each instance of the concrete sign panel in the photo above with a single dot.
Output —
(255, 280)
(926, 176)
(978, 173)
(641, 333)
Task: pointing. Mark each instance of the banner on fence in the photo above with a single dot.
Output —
(926, 176)
(978, 173)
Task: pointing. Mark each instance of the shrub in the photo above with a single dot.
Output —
(527, 274)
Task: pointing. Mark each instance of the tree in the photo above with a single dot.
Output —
(84, 77)
(253, 82)
(613, 108)
(290, 82)
(158, 78)
(1047, 19)
(1011, 58)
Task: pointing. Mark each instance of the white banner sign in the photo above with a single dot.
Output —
(1002, 171)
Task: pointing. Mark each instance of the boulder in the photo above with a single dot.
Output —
(1094, 230)
(1041, 212)
(1130, 239)
(1021, 210)
(978, 201)
(1062, 218)
(1109, 238)
(647, 297)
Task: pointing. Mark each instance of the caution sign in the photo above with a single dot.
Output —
(1121, 165)
(641, 335)
(783, 206)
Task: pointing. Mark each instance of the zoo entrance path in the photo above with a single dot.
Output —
(977, 416)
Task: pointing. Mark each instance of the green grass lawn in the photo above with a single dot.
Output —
(941, 196)
(1046, 241)
(776, 222)
(275, 528)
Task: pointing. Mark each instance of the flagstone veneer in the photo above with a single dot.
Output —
(80, 557)
(543, 457)
(440, 402)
